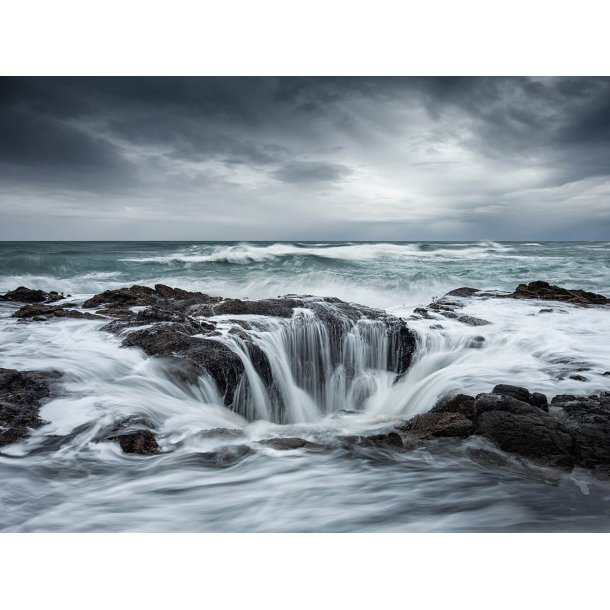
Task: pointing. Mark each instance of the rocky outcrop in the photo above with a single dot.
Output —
(539, 290)
(547, 292)
(179, 325)
(28, 295)
(574, 431)
(21, 396)
(39, 313)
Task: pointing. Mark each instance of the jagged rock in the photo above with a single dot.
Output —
(21, 396)
(458, 403)
(545, 291)
(423, 312)
(427, 425)
(462, 292)
(133, 436)
(472, 321)
(534, 435)
(171, 327)
(501, 402)
(28, 295)
(588, 421)
(142, 442)
(535, 399)
(280, 308)
(391, 440)
(39, 312)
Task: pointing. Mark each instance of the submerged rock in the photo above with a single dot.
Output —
(133, 436)
(288, 443)
(21, 396)
(142, 442)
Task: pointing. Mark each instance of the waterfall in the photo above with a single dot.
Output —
(311, 365)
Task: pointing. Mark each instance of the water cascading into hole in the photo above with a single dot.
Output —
(306, 367)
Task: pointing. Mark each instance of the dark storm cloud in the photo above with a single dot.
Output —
(461, 155)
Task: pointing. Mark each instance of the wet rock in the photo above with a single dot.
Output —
(458, 403)
(391, 440)
(539, 400)
(523, 394)
(428, 425)
(222, 457)
(28, 295)
(133, 436)
(500, 402)
(472, 321)
(578, 377)
(545, 310)
(288, 443)
(170, 326)
(588, 421)
(545, 291)
(21, 396)
(142, 442)
(462, 292)
(423, 312)
(534, 435)
(279, 308)
(476, 342)
(38, 313)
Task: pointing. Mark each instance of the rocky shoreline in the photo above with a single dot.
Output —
(566, 432)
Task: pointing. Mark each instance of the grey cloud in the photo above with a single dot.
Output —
(311, 171)
(185, 149)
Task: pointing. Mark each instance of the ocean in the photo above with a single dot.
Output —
(84, 485)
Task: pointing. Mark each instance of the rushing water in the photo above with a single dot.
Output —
(77, 484)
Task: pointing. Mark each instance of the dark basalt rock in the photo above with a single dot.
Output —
(389, 440)
(133, 436)
(472, 321)
(288, 443)
(575, 432)
(224, 366)
(545, 291)
(534, 435)
(428, 425)
(462, 292)
(142, 442)
(21, 396)
(458, 403)
(535, 399)
(279, 308)
(172, 328)
(138, 296)
(588, 421)
(39, 312)
(28, 295)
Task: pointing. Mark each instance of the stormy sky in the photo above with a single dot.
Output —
(305, 158)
